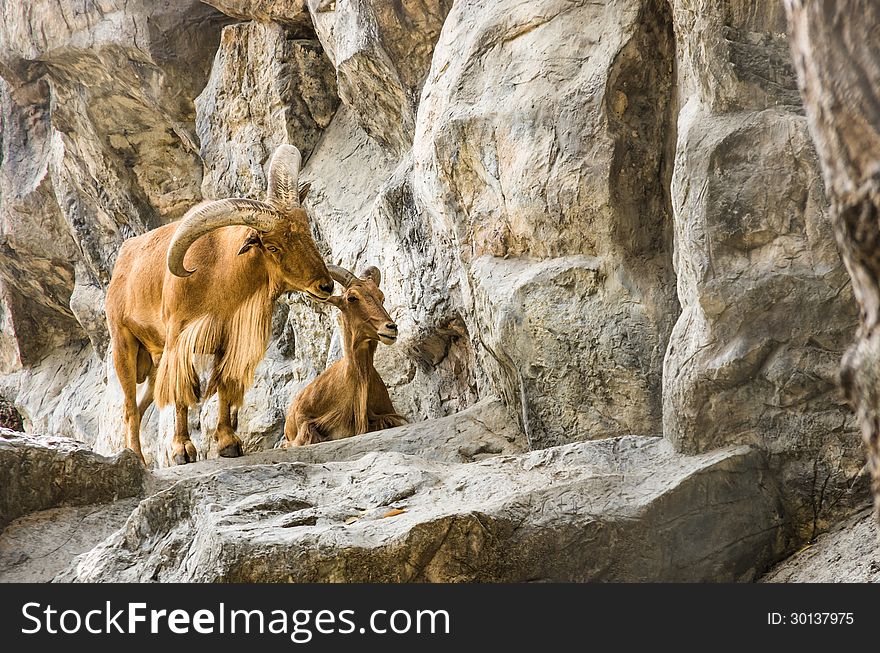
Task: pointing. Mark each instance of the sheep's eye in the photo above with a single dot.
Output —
(352, 299)
(272, 248)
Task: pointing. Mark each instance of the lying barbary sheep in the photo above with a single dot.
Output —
(349, 397)
(245, 254)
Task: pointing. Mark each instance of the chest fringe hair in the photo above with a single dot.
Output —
(237, 343)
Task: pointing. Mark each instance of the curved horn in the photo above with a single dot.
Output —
(373, 273)
(341, 275)
(204, 218)
(283, 188)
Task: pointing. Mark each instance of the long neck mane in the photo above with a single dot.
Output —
(359, 353)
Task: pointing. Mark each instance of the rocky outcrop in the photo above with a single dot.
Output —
(481, 431)
(382, 51)
(292, 14)
(45, 472)
(624, 509)
(37, 249)
(37, 547)
(839, 75)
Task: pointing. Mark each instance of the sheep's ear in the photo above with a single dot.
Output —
(304, 192)
(253, 240)
(372, 273)
(335, 300)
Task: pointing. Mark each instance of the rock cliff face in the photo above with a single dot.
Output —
(605, 221)
(766, 305)
(839, 76)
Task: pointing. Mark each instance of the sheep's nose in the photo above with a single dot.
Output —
(326, 287)
(391, 326)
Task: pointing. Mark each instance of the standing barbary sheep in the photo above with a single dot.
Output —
(349, 397)
(245, 254)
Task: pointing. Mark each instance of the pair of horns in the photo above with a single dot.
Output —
(344, 277)
(283, 195)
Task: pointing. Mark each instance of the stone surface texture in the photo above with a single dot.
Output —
(839, 76)
(848, 553)
(45, 472)
(767, 308)
(622, 509)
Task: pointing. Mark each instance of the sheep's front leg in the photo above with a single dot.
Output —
(228, 443)
(183, 451)
(307, 433)
(387, 421)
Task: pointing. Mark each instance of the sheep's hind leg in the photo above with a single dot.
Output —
(183, 451)
(125, 360)
(228, 443)
(147, 399)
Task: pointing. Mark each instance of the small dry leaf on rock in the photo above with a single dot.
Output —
(351, 520)
(393, 513)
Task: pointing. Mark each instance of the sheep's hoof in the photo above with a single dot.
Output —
(187, 455)
(231, 450)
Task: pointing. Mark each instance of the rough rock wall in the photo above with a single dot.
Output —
(839, 72)
(766, 304)
(268, 86)
(539, 156)
(607, 214)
